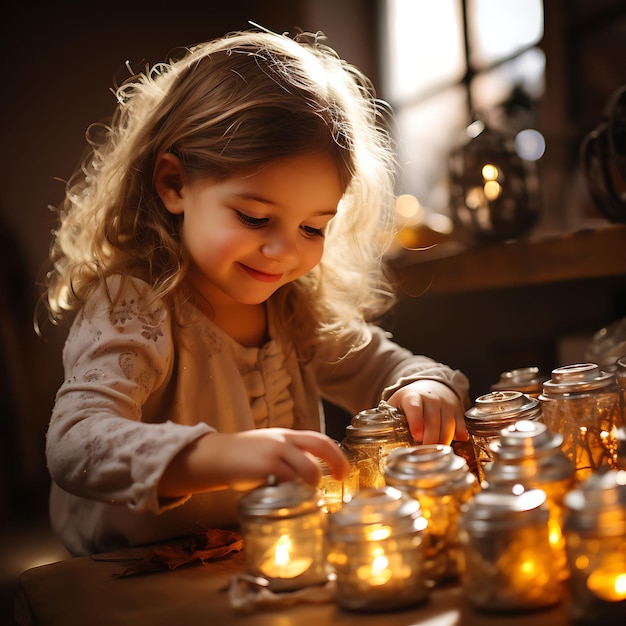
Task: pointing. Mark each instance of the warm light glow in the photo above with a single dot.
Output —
(608, 584)
(556, 536)
(489, 171)
(379, 534)
(582, 562)
(493, 189)
(280, 563)
(377, 573)
(529, 567)
(474, 197)
(518, 489)
(408, 206)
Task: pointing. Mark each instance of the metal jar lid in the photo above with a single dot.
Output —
(598, 505)
(497, 409)
(428, 466)
(577, 378)
(527, 450)
(288, 499)
(385, 509)
(524, 379)
(382, 421)
(498, 508)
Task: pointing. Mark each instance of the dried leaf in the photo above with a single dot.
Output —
(201, 548)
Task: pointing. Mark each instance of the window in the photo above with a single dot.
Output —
(446, 62)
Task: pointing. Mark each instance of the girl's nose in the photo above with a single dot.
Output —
(280, 247)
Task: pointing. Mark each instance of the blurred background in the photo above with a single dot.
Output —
(547, 66)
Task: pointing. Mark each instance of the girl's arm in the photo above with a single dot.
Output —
(432, 395)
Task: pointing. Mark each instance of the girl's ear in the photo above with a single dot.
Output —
(168, 181)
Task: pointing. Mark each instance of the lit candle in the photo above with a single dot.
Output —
(283, 528)
(508, 562)
(441, 482)
(376, 550)
(595, 538)
(608, 584)
(279, 562)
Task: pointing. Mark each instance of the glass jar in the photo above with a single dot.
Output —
(376, 551)
(620, 374)
(528, 380)
(283, 529)
(595, 535)
(527, 453)
(335, 492)
(582, 403)
(490, 414)
(371, 435)
(508, 562)
(441, 482)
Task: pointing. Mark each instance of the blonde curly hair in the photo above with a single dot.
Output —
(228, 107)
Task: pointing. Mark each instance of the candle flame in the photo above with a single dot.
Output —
(280, 562)
(283, 548)
(608, 584)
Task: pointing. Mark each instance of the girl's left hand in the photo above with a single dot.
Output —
(434, 412)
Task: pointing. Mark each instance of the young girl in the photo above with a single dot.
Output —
(221, 253)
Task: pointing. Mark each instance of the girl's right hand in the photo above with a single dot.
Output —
(244, 460)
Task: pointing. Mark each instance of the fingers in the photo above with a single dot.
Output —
(434, 413)
(315, 444)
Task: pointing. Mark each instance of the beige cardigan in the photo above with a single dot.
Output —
(139, 388)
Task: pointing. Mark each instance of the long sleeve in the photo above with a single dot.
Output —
(373, 372)
(97, 447)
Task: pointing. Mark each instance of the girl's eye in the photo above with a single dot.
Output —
(248, 220)
(309, 231)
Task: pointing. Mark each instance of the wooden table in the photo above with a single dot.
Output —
(86, 591)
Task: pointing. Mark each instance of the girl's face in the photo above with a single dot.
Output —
(249, 235)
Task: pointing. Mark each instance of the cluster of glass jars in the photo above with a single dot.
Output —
(513, 534)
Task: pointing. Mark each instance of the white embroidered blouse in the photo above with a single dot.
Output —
(139, 388)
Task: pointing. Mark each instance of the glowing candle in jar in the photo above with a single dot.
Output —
(529, 454)
(595, 537)
(441, 482)
(508, 562)
(609, 585)
(283, 528)
(376, 550)
(279, 562)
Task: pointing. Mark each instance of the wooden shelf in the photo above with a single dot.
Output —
(451, 268)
